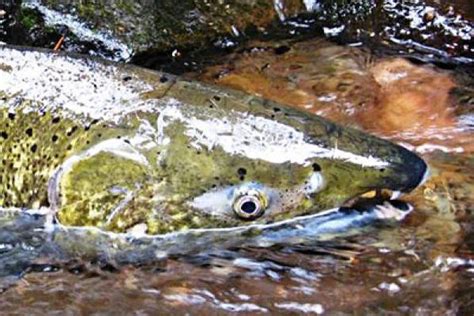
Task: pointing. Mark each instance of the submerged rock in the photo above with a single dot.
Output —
(428, 107)
(116, 29)
(428, 30)
(179, 37)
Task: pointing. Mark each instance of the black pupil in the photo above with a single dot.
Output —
(248, 207)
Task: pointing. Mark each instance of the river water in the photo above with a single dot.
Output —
(422, 266)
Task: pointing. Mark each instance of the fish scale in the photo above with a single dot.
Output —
(30, 158)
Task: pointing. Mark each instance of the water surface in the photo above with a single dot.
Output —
(424, 265)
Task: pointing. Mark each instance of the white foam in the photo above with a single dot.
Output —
(389, 287)
(80, 29)
(333, 31)
(301, 308)
(416, 13)
(311, 5)
(447, 263)
(279, 7)
(427, 148)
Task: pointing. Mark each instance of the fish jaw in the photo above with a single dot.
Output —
(361, 163)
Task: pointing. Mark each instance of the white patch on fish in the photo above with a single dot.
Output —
(81, 88)
(257, 138)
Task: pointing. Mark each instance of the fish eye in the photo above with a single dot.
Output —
(250, 205)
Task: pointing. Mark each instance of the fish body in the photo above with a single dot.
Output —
(126, 149)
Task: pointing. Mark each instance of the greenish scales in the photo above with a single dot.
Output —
(120, 148)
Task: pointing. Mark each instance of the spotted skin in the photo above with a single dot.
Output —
(121, 163)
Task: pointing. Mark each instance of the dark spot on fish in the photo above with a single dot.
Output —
(163, 79)
(54, 138)
(217, 98)
(4, 134)
(276, 110)
(11, 116)
(126, 141)
(71, 131)
(33, 148)
(29, 132)
(330, 128)
(382, 170)
(69, 147)
(241, 172)
(127, 78)
(55, 120)
(280, 50)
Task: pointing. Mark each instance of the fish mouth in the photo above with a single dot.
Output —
(372, 197)
(380, 196)
(384, 203)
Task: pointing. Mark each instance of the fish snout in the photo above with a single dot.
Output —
(413, 171)
(420, 173)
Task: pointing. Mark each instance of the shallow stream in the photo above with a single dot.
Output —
(421, 98)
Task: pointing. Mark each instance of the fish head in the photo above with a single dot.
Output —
(219, 168)
(236, 161)
(233, 168)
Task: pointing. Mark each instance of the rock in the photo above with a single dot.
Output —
(116, 29)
